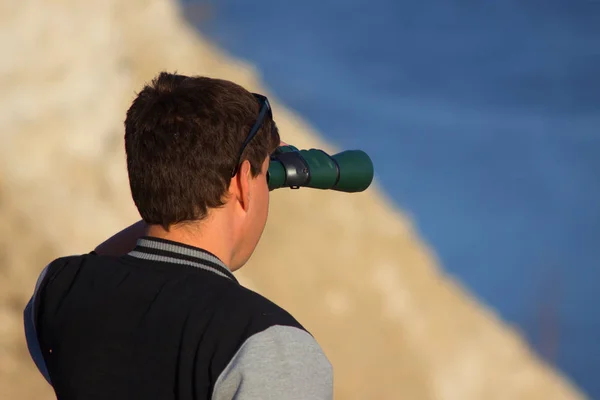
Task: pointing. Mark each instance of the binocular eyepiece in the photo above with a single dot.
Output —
(349, 171)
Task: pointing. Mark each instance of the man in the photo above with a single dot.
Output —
(155, 311)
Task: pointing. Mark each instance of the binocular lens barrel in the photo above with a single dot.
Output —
(349, 171)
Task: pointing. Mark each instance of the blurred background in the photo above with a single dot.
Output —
(483, 121)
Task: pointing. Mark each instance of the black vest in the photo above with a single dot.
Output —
(162, 322)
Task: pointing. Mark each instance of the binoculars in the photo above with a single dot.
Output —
(349, 171)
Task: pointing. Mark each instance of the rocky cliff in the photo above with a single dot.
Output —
(362, 282)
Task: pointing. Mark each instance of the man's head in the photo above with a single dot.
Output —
(183, 136)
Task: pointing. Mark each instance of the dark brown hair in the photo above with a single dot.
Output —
(182, 138)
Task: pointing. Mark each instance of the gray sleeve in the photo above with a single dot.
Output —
(282, 362)
(29, 318)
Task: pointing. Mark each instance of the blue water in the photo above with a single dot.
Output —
(483, 120)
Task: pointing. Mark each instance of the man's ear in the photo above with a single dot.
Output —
(242, 182)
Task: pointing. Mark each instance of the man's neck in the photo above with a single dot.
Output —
(205, 237)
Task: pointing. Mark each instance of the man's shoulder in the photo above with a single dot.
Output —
(78, 259)
(58, 264)
(73, 259)
(259, 313)
(73, 263)
(239, 309)
(274, 356)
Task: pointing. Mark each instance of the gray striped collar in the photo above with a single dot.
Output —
(155, 249)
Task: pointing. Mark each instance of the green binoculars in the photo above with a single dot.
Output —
(349, 171)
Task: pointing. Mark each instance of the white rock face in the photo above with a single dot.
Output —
(355, 275)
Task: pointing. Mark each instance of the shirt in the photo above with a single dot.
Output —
(166, 321)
